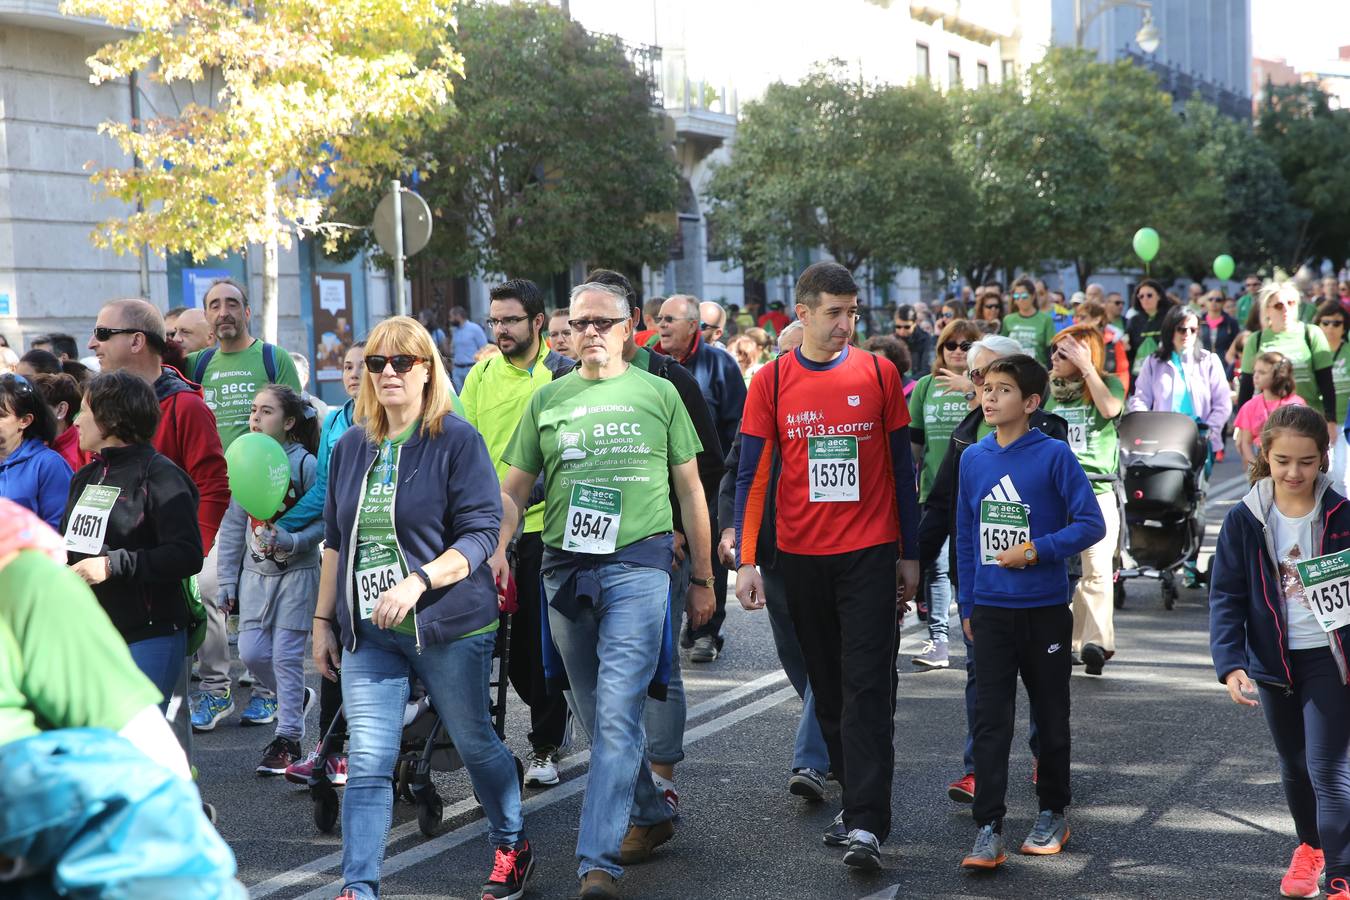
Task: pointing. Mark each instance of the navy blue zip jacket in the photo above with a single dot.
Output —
(1246, 605)
(447, 496)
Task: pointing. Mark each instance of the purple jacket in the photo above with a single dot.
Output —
(1210, 392)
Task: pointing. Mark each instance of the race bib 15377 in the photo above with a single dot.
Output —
(1326, 584)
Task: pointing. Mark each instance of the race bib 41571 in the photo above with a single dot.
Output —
(88, 523)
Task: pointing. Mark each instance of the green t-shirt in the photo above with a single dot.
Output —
(1092, 436)
(1033, 332)
(62, 663)
(1305, 346)
(606, 448)
(1244, 309)
(1340, 376)
(379, 564)
(1307, 312)
(232, 380)
(938, 412)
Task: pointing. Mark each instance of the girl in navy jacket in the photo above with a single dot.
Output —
(1266, 641)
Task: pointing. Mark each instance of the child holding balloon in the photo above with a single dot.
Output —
(270, 574)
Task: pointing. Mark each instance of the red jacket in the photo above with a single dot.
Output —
(187, 435)
(67, 443)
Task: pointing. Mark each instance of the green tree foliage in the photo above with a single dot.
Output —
(1309, 141)
(863, 170)
(554, 153)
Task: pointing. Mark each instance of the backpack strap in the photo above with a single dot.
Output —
(203, 360)
(269, 354)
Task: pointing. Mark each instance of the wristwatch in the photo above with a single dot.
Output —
(970, 396)
(705, 582)
(1031, 555)
(422, 574)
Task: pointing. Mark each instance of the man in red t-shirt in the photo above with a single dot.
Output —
(847, 509)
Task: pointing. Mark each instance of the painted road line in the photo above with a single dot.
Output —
(450, 840)
(332, 860)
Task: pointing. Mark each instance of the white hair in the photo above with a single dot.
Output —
(619, 294)
(793, 326)
(996, 345)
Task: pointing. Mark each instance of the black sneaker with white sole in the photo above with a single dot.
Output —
(864, 851)
(808, 783)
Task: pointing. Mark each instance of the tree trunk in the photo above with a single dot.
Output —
(270, 267)
(1084, 270)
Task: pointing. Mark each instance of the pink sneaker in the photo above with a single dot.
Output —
(300, 772)
(1304, 871)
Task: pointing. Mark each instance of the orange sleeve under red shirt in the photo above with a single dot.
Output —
(853, 396)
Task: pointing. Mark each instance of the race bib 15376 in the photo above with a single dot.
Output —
(1003, 525)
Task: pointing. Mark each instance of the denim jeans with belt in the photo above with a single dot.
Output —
(610, 652)
(374, 692)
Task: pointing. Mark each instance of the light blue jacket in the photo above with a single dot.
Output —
(310, 507)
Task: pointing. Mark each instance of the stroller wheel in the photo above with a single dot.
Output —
(520, 772)
(430, 813)
(325, 811)
(210, 812)
(1118, 594)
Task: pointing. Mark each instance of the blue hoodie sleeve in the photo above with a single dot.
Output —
(1086, 525)
(53, 487)
(965, 537)
(308, 535)
(1229, 589)
(309, 509)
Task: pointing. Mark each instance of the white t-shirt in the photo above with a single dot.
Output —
(1294, 544)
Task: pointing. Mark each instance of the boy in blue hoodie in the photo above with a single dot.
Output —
(1024, 507)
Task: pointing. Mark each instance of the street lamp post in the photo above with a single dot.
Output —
(1148, 36)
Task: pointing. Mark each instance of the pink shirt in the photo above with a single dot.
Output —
(1251, 418)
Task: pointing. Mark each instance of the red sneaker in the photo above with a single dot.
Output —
(1340, 889)
(962, 790)
(1305, 869)
(1035, 769)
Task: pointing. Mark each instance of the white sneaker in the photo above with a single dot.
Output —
(543, 770)
(247, 678)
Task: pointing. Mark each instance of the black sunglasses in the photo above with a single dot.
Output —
(21, 385)
(976, 377)
(949, 346)
(103, 333)
(602, 326)
(402, 363)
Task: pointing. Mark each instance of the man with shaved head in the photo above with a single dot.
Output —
(129, 334)
(189, 329)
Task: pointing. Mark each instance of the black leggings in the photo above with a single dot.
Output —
(1311, 728)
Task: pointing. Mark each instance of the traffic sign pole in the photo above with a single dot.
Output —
(400, 299)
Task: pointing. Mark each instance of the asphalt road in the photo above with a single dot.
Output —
(1176, 790)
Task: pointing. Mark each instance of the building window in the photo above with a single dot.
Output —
(921, 62)
(982, 74)
(1009, 70)
(953, 70)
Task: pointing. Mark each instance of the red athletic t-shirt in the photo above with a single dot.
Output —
(825, 418)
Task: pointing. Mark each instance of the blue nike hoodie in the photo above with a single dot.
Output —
(1042, 473)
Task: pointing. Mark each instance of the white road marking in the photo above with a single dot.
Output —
(331, 861)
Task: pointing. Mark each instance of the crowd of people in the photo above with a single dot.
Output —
(607, 465)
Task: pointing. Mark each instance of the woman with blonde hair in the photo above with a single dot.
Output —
(1091, 402)
(412, 517)
(1304, 345)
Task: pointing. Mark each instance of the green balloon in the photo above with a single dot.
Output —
(259, 474)
(1146, 244)
(1223, 266)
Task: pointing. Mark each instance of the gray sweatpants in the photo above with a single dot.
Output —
(276, 657)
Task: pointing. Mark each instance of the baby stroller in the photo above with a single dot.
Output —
(1164, 457)
(425, 746)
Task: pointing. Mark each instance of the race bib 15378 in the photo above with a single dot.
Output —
(832, 468)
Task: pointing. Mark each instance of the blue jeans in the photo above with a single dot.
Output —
(610, 652)
(374, 692)
(940, 594)
(161, 660)
(665, 719)
(809, 750)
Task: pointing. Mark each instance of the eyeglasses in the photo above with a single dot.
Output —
(663, 320)
(402, 363)
(1021, 295)
(1332, 323)
(706, 326)
(1187, 329)
(1276, 304)
(950, 346)
(993, 306)
(602, 326)
(21, 385)
(507, 320)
